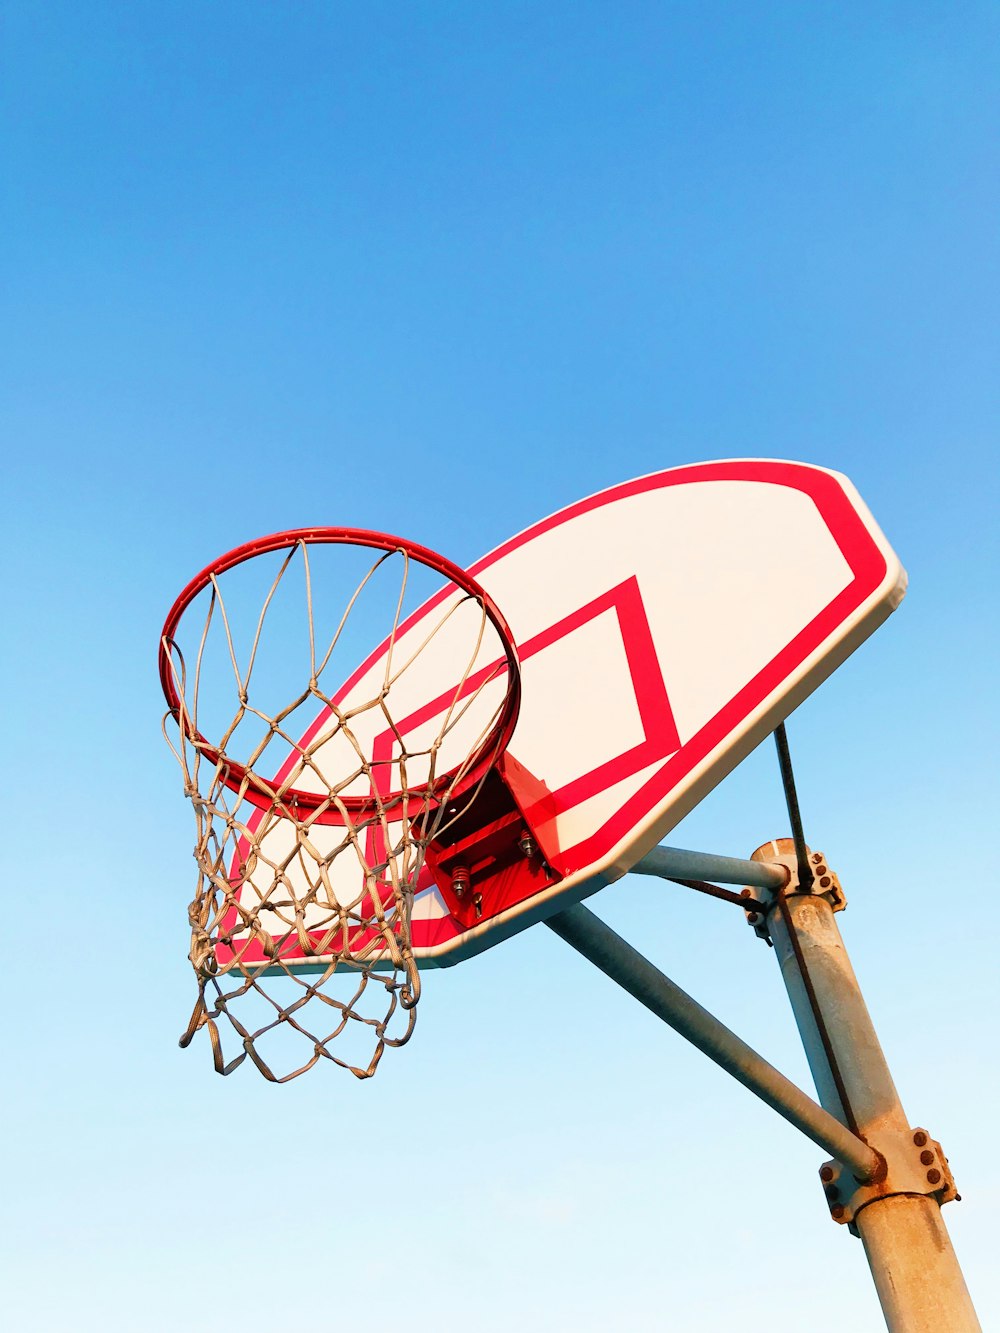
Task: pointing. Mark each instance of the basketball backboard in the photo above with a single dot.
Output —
(664, 627)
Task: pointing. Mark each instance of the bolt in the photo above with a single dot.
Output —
(837, 1212)
(817, 857)
(927, 1157)
(527, 844)
(832, 1193)
(920, 1138)
(826, 1173)
(459, 880)
(745, 893)
(477, 902)
(934, 1175)
(825, 882)
(753, 918)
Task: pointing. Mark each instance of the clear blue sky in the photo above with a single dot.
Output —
(440, 269)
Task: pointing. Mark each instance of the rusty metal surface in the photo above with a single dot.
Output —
(897, 1211)
(742, 899)
(915, 1164)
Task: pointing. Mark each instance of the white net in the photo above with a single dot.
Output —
(320, 759)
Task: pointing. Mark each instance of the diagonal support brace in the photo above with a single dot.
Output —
(598, 943)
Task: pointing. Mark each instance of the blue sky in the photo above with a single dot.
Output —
(441, 269)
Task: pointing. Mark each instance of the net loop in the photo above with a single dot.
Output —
(314, 803)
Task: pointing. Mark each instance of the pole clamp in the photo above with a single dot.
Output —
(781, 852)
(914, 1162)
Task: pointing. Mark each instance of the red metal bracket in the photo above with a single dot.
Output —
(488, 855)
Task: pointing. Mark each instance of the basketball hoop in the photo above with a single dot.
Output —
(315, 802)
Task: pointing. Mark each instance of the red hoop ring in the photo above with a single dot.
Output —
(235, 774)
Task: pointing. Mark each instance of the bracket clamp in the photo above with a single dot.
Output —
(915, 1164)
(782, 852)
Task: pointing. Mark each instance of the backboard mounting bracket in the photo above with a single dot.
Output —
(490, 851)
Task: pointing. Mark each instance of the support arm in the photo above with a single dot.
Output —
(597, 942)
(676, 863)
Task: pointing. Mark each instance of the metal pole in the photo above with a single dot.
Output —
(792, 803)
(916, 1272)
(597, 942)
(676, 863)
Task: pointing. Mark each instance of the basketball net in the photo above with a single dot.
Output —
(310, 839)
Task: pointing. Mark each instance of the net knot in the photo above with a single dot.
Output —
(202, 954)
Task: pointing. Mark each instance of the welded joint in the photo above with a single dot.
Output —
(825, 883)
(914, 1164)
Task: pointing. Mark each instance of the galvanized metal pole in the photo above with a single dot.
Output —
(678, 863)
(916, 1272)
(599, 944)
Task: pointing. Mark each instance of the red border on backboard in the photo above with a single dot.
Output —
(660, 737)
(856, 544)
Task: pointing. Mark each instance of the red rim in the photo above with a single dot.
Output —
(235, 774)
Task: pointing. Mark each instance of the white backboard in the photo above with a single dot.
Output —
(664, 628)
